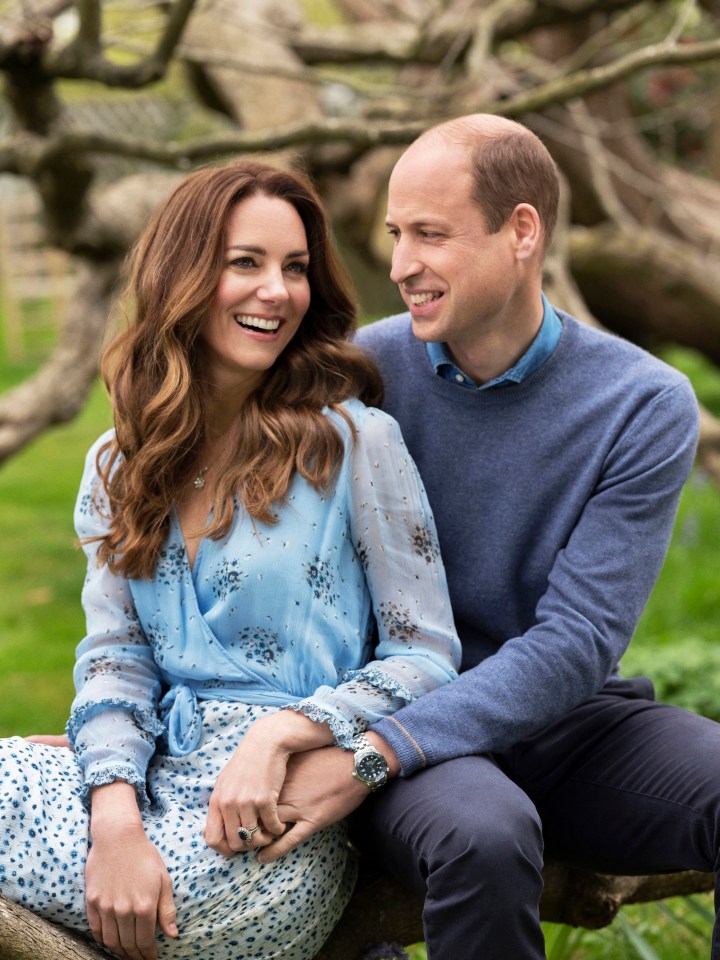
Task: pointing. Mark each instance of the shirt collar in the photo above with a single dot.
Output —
(537, 353)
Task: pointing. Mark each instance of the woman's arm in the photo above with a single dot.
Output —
(128, 888)
(113, 722)
(394, 536)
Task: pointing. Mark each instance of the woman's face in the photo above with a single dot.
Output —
(263, 292)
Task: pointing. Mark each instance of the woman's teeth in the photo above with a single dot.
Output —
(257, 323)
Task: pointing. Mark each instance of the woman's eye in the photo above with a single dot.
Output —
(298, 267)
(243, 263)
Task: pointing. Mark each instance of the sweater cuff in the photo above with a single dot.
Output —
(408, 751)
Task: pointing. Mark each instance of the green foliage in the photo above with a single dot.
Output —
(703, 374)
(686, 599)
(668, 930)
(686, 673)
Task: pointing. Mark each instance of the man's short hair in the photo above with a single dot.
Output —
(509, 165)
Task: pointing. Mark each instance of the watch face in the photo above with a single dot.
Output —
(372, 768)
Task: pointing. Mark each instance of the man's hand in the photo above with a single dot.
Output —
(320, 790)
(50, 739)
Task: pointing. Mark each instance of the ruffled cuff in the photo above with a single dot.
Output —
(109, 774)
(145, 719)
(382, 681)
(342, 730)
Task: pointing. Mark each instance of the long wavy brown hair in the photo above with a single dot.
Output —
(153, 371)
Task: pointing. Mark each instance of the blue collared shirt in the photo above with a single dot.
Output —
(536, 354)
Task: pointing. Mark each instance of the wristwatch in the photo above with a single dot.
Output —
(370, 765)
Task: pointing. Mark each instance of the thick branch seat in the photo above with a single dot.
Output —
(383, 912)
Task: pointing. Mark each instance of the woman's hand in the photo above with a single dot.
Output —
(247, 790)
(128, 887)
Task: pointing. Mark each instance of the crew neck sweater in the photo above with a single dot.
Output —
(554, 501)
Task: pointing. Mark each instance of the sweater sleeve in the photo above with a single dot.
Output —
(394, 538)
(596, 591)
(113, 721)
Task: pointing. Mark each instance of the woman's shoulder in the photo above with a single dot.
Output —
(91, 456)
(372, 425)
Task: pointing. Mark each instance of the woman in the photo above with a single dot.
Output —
(246, 523)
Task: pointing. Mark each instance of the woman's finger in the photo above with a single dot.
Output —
(269, 817)
(128, 936)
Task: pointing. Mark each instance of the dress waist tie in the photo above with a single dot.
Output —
(182, 718)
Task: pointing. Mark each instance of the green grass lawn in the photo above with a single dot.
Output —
(42, 572)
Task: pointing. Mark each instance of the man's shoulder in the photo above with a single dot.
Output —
(394, 329)
(616, 356)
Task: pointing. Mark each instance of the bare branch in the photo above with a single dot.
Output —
(358, 133)
(370, 41)
(598, 78)
(90, 25)
(82, 59)
(58, 390)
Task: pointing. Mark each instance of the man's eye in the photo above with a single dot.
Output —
(429, 234)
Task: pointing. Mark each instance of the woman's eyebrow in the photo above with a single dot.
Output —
(261, 251)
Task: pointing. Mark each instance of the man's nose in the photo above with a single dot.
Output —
(405, 263)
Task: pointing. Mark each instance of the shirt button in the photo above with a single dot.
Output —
(460, 378)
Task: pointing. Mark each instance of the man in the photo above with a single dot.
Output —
(553, 456)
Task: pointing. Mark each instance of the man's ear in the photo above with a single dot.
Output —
(528, 230)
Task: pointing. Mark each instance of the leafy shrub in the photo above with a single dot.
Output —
(685, 672)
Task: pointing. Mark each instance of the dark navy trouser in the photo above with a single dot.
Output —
(622, 784)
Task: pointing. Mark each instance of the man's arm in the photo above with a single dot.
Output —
(320, 790)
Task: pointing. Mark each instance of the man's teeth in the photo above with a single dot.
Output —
(257, 323)
(418, 299)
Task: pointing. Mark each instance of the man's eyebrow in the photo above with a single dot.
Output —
(434, 222)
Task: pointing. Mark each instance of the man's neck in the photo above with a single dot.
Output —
(493, 352)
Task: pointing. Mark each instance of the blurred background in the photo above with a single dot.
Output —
(105, 104)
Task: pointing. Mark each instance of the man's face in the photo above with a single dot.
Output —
(457, 280)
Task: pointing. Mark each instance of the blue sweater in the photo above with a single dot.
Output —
(554, 501)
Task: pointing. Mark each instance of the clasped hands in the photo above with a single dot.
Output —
(285, 779)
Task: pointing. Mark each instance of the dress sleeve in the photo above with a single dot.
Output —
(394, 537)
(113, 721)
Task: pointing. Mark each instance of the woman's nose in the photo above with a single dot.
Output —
(273, 287)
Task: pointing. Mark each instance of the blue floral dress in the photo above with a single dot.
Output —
(174, 669)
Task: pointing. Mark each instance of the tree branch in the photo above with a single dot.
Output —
(598, 78)
(90, 27)
(58, 390)
(374, 41)
(383, 911)
(82, 58)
